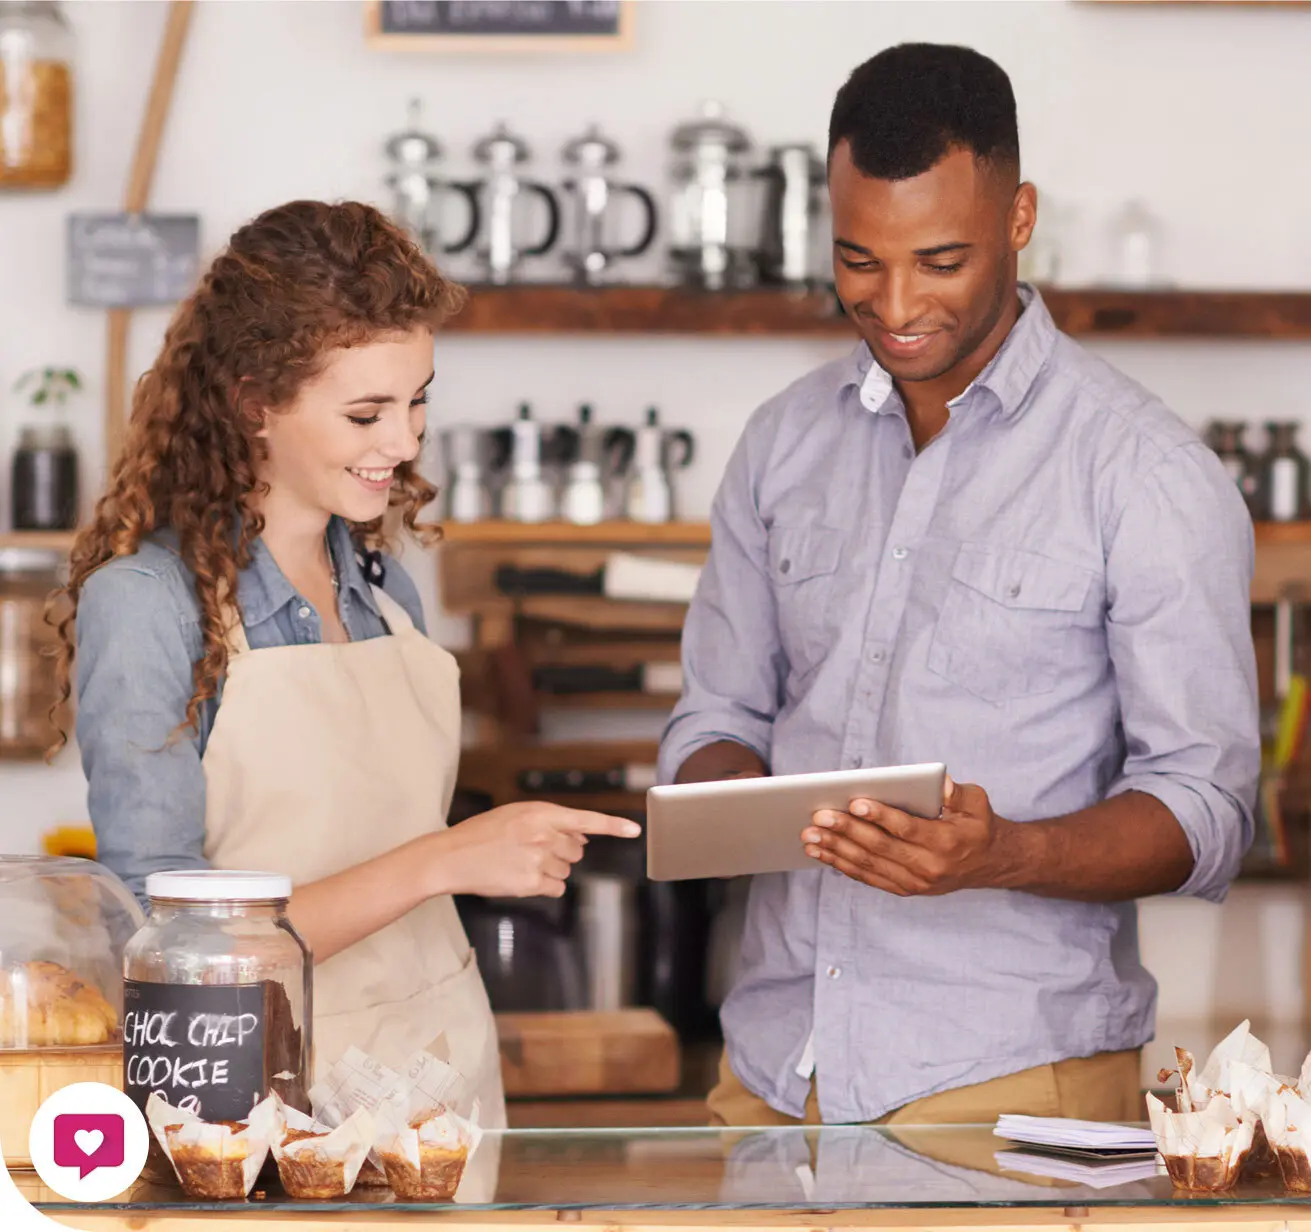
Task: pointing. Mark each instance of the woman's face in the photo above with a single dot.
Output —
(336, 448)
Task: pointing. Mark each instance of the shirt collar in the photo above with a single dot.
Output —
(1008, 376)
(264, 589)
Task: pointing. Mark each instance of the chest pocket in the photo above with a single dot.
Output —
(802, 562)
(1009, 622)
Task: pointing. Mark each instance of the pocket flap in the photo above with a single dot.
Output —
(1019, 579)
(800, 552)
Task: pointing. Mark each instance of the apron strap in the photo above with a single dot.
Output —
(397, 618)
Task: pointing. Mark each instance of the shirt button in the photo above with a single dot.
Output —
(303, 612)
(785, 567)
(833, 972)
(854, 762)
(876, 656)
(1013, 590)
(899, 553)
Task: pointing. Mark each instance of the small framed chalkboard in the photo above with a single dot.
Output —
(132, 260)
(499, 25)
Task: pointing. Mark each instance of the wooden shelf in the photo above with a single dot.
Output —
(46, 540)
(603, 534)
(1270, 534)
(535, 308)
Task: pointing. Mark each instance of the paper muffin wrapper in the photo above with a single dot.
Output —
(420, 1173)
(328, 1164)
(214, 1161)
(1203, 1151)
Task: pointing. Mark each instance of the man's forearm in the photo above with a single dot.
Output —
(725, 759)
(1127, 847)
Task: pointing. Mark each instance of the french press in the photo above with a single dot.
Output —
(593, 192)
(713, 210)
(417, 190)
(502, 152)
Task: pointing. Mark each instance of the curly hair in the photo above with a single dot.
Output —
(294, 284)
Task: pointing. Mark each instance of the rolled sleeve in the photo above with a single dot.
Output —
(732, 659)
(134, 680)
(1179, 572)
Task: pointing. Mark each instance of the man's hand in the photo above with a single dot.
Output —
(967, 847)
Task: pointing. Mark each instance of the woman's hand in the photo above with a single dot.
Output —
(521, 850)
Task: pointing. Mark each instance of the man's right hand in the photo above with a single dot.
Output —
(522, 850)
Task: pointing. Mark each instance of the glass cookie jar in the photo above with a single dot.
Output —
(64, 926)
(217, 995)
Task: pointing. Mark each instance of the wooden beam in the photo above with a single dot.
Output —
(140, 178)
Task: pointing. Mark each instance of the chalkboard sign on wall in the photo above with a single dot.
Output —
(132, 260)
(499, 25)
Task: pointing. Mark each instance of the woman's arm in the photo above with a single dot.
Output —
(515, 851)
(133, 675)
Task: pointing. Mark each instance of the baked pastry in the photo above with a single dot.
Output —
(44, 1005)
(207, 1170)
(426, 1164)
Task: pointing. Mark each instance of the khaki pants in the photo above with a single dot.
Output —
(1105, 1087)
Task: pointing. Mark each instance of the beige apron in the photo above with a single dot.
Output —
(324, 756)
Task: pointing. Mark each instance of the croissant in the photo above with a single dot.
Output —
(44, 1005)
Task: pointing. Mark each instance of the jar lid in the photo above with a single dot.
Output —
(501, 142)
(711, 129)
(593, 148)
(219, 886)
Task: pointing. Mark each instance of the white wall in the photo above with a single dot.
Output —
(1200, 111)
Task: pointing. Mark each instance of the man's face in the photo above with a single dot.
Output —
(925, 267)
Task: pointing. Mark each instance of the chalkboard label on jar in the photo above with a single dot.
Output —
(200, 1047)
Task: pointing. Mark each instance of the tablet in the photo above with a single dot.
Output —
(738, 826)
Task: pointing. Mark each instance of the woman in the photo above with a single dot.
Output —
(254, 686)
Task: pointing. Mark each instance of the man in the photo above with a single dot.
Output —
(972, 542)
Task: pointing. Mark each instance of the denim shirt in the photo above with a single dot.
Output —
(1052, 598)
(138, 637)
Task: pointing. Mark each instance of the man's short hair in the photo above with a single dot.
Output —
(904, 109)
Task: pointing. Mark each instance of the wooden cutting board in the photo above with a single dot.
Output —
(620, 1052)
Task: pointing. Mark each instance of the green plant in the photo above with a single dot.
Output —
(49, 385)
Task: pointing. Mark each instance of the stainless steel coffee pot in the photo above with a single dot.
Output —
(593, 194)
(500, 251)
(471, 458)
(419, 192)
(657, 453)
(594, 457)
(530, 447)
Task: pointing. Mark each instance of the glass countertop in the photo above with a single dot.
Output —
(705, 1169)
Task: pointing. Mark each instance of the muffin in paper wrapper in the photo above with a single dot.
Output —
(1203, 1151)
(214, 1160)
(1287, 1121)
(319, 1161)
(421, 1142)
(1197, 1088)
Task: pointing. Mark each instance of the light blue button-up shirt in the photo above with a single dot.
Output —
(138, 637)
(1051, 598)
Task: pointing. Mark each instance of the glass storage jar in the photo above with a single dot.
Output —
(64, 924)
(36, 95)
(45, 493)
(1225, 437)
(1283, 491)
(217, 995)
(28, 682)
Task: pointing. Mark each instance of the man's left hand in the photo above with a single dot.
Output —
(967, 847)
